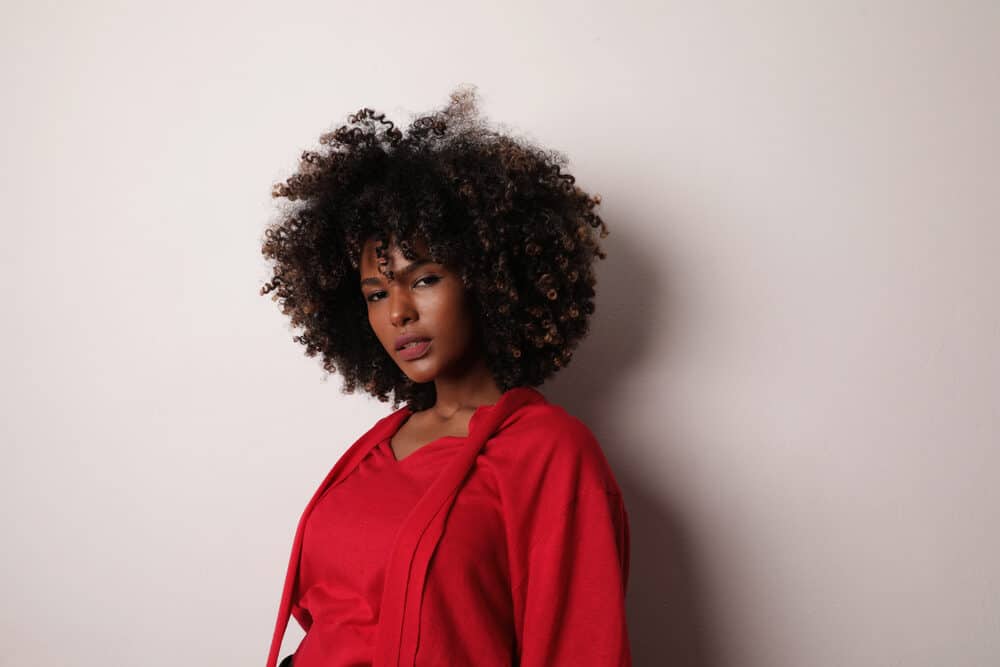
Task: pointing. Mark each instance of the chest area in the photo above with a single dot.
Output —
(419, 430)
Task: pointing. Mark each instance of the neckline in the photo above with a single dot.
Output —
(406, 415)
(387, 441)
(405, 412)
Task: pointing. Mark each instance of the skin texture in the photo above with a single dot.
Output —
(428, 299)
(497, 210)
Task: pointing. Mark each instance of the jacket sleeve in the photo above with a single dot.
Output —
(573, 592)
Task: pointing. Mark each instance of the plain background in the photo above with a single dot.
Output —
(793, 367)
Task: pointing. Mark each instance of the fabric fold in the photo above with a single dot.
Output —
(398, 630)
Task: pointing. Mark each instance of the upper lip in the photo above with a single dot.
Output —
(409, 338)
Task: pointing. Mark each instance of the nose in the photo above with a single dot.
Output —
(401, 308)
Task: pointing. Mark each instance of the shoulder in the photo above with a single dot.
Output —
(548, 444)
(550, 426)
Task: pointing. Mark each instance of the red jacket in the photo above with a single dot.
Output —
(564, 536)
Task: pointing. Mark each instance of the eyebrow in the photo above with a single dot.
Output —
(401, 272)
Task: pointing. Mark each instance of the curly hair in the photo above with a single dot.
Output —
(498, 209)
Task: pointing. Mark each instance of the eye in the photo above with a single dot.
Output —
(379, 295)
(432, 278)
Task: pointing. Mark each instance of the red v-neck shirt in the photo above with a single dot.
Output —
(531, 568)
(346, 546)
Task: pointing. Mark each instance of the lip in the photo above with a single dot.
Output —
(415, 352)
(409, 338)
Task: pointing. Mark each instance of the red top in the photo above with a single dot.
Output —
(510, 548)
(346, 545)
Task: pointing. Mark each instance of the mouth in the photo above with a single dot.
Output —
(414, 349)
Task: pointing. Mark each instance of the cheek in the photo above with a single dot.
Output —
(463, 318)
(375, 329)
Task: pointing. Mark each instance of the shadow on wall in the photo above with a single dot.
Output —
(667, 623)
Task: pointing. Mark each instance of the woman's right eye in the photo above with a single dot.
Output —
(371, 296)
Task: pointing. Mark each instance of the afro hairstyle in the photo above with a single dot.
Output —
(498, 209)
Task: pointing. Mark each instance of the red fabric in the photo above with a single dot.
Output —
(347, 542)
(509, 547)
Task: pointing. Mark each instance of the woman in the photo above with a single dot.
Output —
(478, 524)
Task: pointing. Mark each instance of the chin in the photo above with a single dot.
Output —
(419, 377)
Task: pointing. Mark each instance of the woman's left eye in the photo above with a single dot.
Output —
(433, 279)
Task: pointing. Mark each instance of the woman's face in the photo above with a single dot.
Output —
(424, 299)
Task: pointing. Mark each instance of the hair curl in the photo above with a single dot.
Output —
(497, 208)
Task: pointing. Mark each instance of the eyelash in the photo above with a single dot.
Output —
(427, 277)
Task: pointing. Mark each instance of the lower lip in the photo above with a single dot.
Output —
(414, 352)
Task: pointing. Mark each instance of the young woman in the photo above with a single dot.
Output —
(449, 268)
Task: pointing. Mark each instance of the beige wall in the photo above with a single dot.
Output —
(794, 366)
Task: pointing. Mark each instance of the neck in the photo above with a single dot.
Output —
(471, 389)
